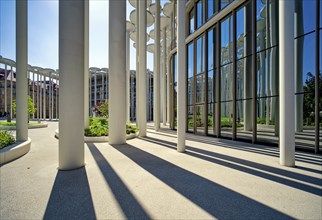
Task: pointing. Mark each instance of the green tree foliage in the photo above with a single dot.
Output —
(309, 98)
(6, 139)
(102, 108)
(31, 106)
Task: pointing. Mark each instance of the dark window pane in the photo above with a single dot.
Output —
(211, 87)
(305, 63)
(200, 54)
(212, 7)
(226, 82)
(200, 88)
(200, 118)
(244, 119)
(190, 91)
(190, 60)
(192, 21)
(244, 31)
(244, 78)
(200, 13)
(226, 41)
(190, 121)
(305, 16)
(211, 51)
(211, 117)
(226, 118)
(224, 3)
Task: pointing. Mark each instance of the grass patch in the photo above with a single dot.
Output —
(6, 139)
(4, 123)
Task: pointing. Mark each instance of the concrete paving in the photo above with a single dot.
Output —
(146, 178)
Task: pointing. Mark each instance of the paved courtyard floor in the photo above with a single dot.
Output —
(146, 178)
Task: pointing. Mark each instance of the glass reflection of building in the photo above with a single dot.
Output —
(233, 70)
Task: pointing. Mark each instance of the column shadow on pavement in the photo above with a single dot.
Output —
(217, 200)
(70, 197)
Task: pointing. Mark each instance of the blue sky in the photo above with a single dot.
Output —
(43, 33)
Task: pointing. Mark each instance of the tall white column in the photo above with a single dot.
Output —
(181, 70)
(11, 91)
(38, 98)
(127, 44)
(156, 78)
(286, 83)
(21, 70)
(95, 88)
(33, 90)
(142, 69)
(117, 72)
(44, 98)
(164, 80)
(137, 74)
(86, 65)
(71, 71)
(5, 88)
(49, 97)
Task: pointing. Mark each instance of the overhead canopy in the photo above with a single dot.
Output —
(133, 36)
(130, 26)
(167, 9)
(165, 21)
(133, 3)
(149, 18)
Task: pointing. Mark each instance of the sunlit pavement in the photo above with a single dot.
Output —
(147, 178)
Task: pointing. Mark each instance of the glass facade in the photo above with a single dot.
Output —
(233, 72)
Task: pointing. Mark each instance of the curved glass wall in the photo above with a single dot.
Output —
(233, 73)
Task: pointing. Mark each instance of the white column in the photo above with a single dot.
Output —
(38, 98)
(164, 80)
(33, 90)
(95, 88)
(11, 91)
(21, 70)
(44, 98)
(286, 83)
(49, 97)
(117, 72)
(168, 88)
(127, 44)
(142, 69)
(5, 88)
(71, 71)
(156, 78)
(181, 70)
(137, 75)
(86, 65)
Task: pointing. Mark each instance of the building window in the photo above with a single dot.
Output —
(200, 13)
(212, 8)
(192, 21)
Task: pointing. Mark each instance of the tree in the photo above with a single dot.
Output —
(31, 106)
(309, 98)
(102, 108)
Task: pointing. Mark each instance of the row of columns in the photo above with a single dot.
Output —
(73, 59)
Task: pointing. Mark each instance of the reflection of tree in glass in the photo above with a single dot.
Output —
(309, 98)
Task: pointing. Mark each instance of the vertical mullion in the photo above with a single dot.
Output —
(218, 84)
(206, 82)
(194, 84)
(234, 74)
(317, 75)
(254, 65)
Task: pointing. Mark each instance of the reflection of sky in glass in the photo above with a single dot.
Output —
(210, 50)
(200, 55)
(211, 10)
(190, 60)
(308, 56)
(309, 8)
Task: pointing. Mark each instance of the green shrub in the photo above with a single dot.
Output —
(131, 129)
(98, 126)
(6, 139)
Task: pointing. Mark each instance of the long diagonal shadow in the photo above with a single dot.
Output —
(130, 206)
(70, 197)
(215, 199)
(195, 152)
